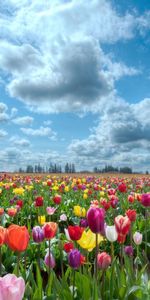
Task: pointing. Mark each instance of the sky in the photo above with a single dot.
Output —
(75, 83)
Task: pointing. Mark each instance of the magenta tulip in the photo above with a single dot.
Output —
(145, 200)
(95, 217)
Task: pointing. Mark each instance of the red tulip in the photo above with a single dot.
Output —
(50, 230)
(39, 201)
(68, 246)
(122, 187)
(75, 232)
(131, 214)
(57, 199)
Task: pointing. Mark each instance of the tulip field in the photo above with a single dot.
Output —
(82, 237)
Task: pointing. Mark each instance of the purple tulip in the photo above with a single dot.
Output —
(146, 200)
(37, 234)
(49, 260)
(128, 250)
(84, 223)
(95, 217)
(74, 258)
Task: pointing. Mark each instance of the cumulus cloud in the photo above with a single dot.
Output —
(19, 142)
(26, 120)
(121, 137)
(41, 132)
(63, 68)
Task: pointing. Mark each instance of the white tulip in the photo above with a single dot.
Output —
(137, 238)
(111, 233)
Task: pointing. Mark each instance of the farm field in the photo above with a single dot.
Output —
(78, 236)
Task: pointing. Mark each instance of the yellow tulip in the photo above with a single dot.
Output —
(18, 191)
(102, 193)
(85, 196)
(66, 189)
(41, 220)
(88, 240)
(79, 211)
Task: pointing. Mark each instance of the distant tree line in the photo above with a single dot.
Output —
(52, 168)
(70, 168)
(110, 168)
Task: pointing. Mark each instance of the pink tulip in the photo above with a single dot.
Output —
(11, 287)
(103, 260)
(50, 210)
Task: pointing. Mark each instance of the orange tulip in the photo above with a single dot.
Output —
(2, 235)
(17, 237)
(50, 229)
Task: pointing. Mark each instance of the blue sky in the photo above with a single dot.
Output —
(75, 83)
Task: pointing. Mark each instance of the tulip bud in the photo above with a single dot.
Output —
(49, 260)
(74, 258)
(103, 260)
(128, 250)
(145, 200)
(37, 234)
(137, 237)
(95, 217)
(111, 233)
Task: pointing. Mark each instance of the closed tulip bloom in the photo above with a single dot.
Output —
(145, 200)
(17, 237)
(50, 230)
(57, 199)
(84, 223)
(11, 287)
(2, 235)
(122, 224)
(128, 250)
(74, 258)
(103, 260)
(39, 201)
(95, 217)
(137, 238)
(49, 260)
(111, 233)
(37, 234)
(68, 246)
(12, 211)
(131, 214)
(122, 187)
(75, 232)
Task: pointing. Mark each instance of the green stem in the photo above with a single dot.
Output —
(146, 221)
(61, 259)
(112, 251)
(73, 284)
(39, 255)
(18, 261)
(96, 253)
(49, 247)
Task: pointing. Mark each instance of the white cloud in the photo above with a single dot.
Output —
(3, 115)
(3, 133)
(19, 142)
(26, 120)
(42, 132)
(61, 68)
